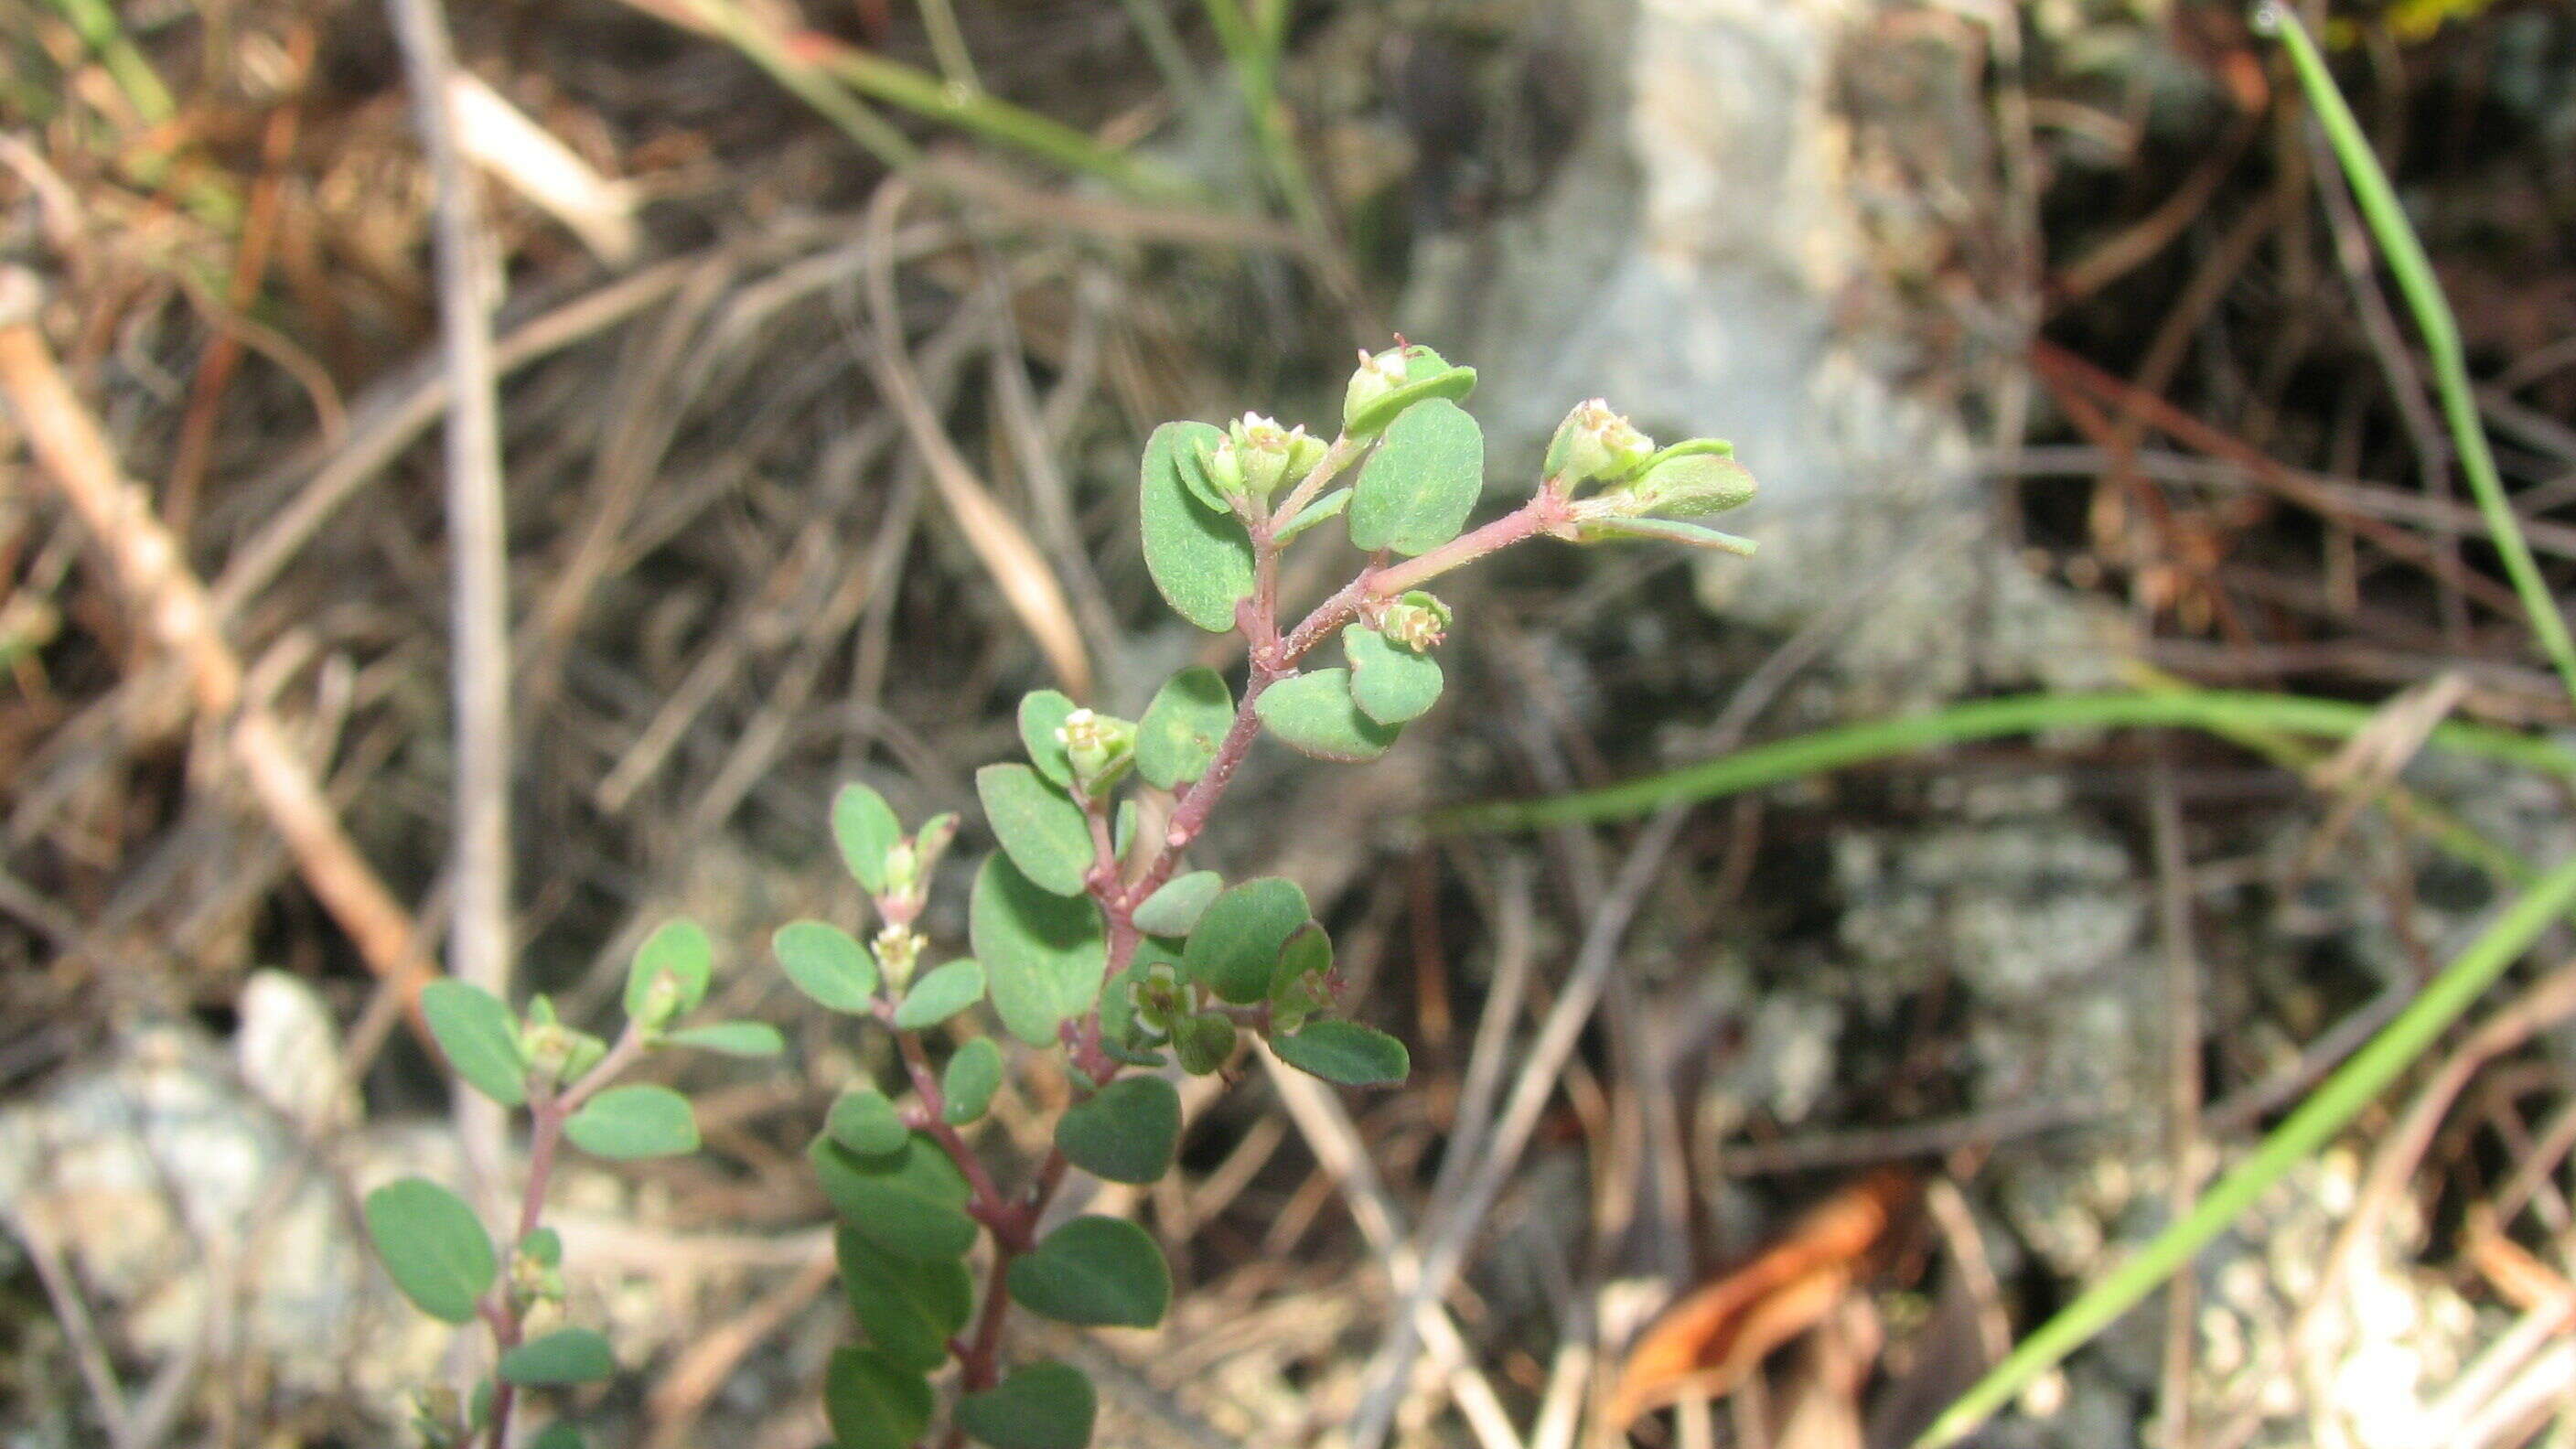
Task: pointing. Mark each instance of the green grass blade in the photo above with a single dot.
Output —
(104, 34)
(2317, 1120)
(1859, 744)
(2423, 293)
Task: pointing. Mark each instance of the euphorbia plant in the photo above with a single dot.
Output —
(1089, 936)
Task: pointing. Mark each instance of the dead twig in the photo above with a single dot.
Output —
(1447, 1241)
(162, 591)
(999, 543)
(478, 930)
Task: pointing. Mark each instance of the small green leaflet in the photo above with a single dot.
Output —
(433, 1247)
(827, 964)
(732, 1038)
(863, 1120)
(1125, 1132)
(1200, 559)
(1313, 714)
(871, 1403)
(1042, 713)
(480, 1037)
(1345, 1052)
(910, 1202)
(1043, 954)
(1391, 685)
(680, 949)
(909, 1307)
(1044, 1406)
(1044, 832)
(1415, 492)
(865, 828)
(966, 1088)
(1328, 506)
(565, 1356)
(1096, 1271)
(644, 1120)
(1178, 737)
(940, 995)
(1175, 907)
(1234, 949)
(1669, 530)
(1201, 1043)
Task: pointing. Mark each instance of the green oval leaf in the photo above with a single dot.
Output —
(1044, 1406)
(865, 1121)
(1668, 530)
(1178, 737)
(872, 1403)
(1095, 1271)
(433, 1247)
(909, 1307)
(1308, 954)
(1174, 909)
(1416, 490)
(1043, 954)
(732, 1038)
(827, 964)
(1330, 505)
(543, 1247)
(940, 995)
(644, 1120)
(1345, 1052)
(680, 949)
(1041, 715)
(1200, 559)
(1426, 375)
(1043, 831)
(1389, 683)
(480, 1037)
(565, 1356)
(966, 1087)
(1125, 1132)
(1234, 949)
(1201, 1043)
(865, 828)
(1313, 714)
(560, 1434)
(909, 1202)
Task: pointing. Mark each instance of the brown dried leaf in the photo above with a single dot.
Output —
(1711, 1339)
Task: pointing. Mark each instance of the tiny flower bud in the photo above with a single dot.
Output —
(548, 1048)
(898, 950)
(661, 1002)
(1379, 374)
(902, 868)
(532, 1280)
(1100, 747)
(1417, 621)
(1596, 443)
(1225, 469)
(1264, 453)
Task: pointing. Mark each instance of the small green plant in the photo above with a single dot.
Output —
(1088, 936)
(437, 1250)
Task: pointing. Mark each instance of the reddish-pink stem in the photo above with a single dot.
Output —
(548, 1110)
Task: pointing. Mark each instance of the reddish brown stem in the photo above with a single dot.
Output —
(548, 1110)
